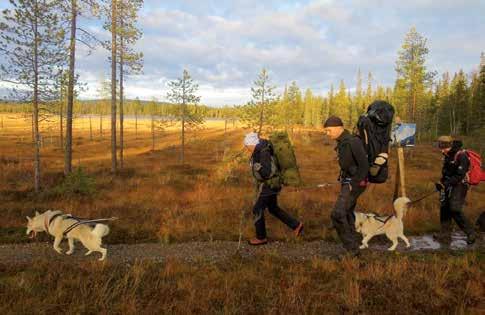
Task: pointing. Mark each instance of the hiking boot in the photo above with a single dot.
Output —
(257, 241)
(298, 230)
(471, 239)
(442, 238)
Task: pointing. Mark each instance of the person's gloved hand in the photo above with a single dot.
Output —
(362, 184)
(439, 186)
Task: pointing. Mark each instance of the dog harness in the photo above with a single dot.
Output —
(80, 221)
(382, 220)
(47, 223)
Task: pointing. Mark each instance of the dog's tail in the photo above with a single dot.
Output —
(400, 206)
(100, 230)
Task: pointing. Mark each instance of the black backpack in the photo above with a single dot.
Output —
(374, 128)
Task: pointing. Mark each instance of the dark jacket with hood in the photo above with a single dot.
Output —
(352, 158)
(262, 167)
(454, 167)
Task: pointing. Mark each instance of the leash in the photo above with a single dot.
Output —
(81, 222)
(312, 187)
(422, 198)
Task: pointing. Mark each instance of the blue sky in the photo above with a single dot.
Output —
(224, 44)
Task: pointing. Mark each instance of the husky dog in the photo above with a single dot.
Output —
(56, 223)
(369, 224)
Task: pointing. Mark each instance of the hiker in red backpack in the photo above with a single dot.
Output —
(453, 188)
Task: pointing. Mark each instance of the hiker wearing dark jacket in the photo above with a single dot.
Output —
(354, 167)
(266, 173)
(453, 189)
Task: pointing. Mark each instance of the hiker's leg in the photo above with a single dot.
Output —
(457, 200)
(445, 216)
(284, 217)
(354, 196)
(258, 213)
(340, 218)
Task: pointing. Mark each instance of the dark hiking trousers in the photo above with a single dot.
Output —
(343, 217)
(452, 208)
(270, 202)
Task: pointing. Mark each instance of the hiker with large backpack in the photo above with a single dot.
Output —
(354, 168)
(374, 129)
(267, 172)
(461, 168)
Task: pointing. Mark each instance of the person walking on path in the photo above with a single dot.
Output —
(267, 176)
(354, 167)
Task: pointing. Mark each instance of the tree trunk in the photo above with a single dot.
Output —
(90, 128)
(261, 115)
(61, 112)
(70, 90)
(182, 152)
(121, 102)
(136, 124)
(114, 165)
(35, 113)
(153, 132)
(101, 125)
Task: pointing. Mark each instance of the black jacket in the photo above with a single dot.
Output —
(352, 158)
(262, 155)
(454, 172)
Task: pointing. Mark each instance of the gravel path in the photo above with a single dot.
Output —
(208, 251)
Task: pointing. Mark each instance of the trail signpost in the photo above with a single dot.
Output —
(403, 135)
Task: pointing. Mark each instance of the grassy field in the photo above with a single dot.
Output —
(417, 284)
(159, 200)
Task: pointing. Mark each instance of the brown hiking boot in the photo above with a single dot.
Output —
(298, 230)
(257, 242)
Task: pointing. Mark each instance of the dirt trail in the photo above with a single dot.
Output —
(215, 251)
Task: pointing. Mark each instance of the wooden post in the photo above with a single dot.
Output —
(401, 170)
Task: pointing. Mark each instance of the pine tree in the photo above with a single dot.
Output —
(309, 108)
(262, 94)
(411, 69)
(359, 95)
(113, 27)
(183, 93)
(331, 100)
(342, 104)
(368, 93)
(129, 61)
(31, 41)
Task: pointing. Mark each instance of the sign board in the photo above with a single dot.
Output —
(404, 134)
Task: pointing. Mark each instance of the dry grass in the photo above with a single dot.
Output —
(432, 284)
(159, 199)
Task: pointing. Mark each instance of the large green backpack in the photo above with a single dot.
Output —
(286, 159)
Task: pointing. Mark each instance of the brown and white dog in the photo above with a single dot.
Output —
(56, 223)
(370, 225)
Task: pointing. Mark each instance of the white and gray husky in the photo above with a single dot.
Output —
(370, 225)
(56, 223)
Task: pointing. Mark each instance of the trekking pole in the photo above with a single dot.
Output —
(240, 229)
(256, 197)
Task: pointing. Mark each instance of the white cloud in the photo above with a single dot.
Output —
(224, 44)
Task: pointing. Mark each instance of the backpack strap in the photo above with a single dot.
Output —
(460, 153)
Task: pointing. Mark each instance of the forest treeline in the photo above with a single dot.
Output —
(447, 103)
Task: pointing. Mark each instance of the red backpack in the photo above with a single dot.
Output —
(475, 174)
